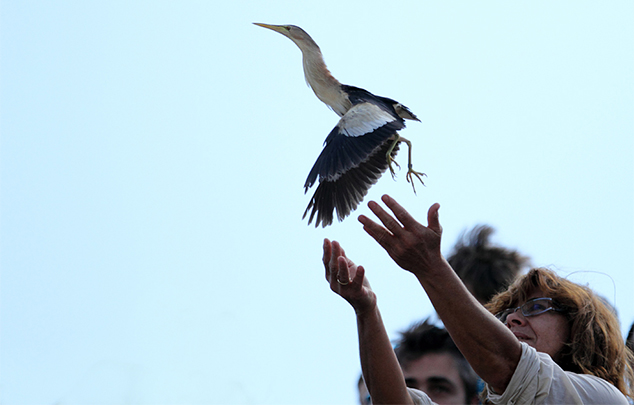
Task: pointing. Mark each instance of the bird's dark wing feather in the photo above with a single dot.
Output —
(345, 193)
(359, 132)
(353, 159)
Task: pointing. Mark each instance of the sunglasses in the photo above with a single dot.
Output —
(536, 306)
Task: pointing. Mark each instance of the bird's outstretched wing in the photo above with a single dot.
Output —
(353, 159)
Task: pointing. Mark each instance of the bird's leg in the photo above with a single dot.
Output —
(410, 171)
(389, 157)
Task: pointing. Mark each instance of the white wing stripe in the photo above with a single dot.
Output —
(363, 118)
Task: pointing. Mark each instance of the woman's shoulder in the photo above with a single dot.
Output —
(587, 387)
(539, 380)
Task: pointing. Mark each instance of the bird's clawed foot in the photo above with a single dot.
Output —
(391, 160)
(410, 177)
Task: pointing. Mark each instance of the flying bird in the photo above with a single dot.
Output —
(360, 148)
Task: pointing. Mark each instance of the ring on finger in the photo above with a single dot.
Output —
(342, 283)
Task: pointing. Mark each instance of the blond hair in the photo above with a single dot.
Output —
(596, 346)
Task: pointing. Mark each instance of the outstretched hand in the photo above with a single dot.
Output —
(411, 245)
(347, 279)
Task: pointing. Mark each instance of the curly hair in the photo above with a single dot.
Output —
(484, 268)
(596, 346)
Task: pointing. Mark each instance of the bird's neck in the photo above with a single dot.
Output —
(325, 86)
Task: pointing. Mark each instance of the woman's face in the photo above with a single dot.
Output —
(547, 332)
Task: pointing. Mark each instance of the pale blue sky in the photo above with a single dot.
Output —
(153, 156)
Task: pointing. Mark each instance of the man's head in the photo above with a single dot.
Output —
(432, 363)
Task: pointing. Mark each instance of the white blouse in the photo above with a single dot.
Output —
(539, 380)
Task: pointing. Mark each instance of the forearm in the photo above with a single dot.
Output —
(488, 345)
(381, 370)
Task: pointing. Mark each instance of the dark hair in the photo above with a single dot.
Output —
(485, 269)
(596, 346)
(423, 338)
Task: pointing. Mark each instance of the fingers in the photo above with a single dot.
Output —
(401, 214)
(376, 231)
(358, 278)
(394, 234)
(403, 217)
(327, 250)
(336, 263)
(387, 235)
(335, 252)
(343, 275)
(433, 220)
(332, 250)
(390, 223)
(347, 279)
(353, 282)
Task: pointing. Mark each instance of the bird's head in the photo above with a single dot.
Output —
(294, 33)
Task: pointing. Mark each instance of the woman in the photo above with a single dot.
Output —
(558, 343)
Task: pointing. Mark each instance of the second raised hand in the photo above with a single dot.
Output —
(413, 246)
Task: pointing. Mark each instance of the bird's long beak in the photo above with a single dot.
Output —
(277, 28)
